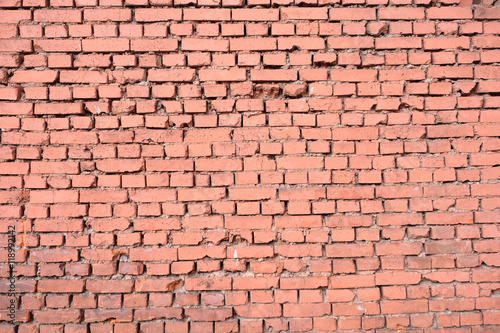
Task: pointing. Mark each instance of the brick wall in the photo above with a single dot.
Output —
(245, 167)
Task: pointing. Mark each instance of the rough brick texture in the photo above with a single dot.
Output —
(231, 166)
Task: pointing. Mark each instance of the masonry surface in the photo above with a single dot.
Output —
(207, 166)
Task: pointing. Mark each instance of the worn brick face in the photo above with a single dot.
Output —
(250, 166)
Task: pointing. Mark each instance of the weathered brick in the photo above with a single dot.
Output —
(157, 14)
(208, 283)
(352, 14)
(105, 14)
(59, 108)
(106, 45)
(12, 109)
(54, 255)
(173, 75)
(252, 44)
(57, 15)
(60, 316)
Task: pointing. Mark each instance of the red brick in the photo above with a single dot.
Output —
(14, 16)
(103, 196)
(399, 219)
(208, 283)
(10, 94)
(53, 196)
(61, 286)
(248, 222)
(157, 14)
(343, 43)
(169, 223)
(119, 166)
(414, 74)
(106, 45)
(62, 316)
(223, 75)
(304, 13)
(258, 310)
(398, 249)
(173, 75)
(397, 278)
(294, 163)
(230, 191)
(352, 14)
(258, 283)
(449, 13)
(448, 247)
(398, 43)
(57, 15)
(395, 13)
(298, 221)
(450, 72)
(55, 167)
(83, 77)
(202, 222)
(152, 195)
(448, 218)
(200, 252)
(304, 43)
(153, 285)
(201, 194)
(59, 108)
(10, 60)
(368, 133)
(244, 252)
(103, 15)
(408, 306)
(16, 45)
(349, 250)
(58, 225)
(351, 281)
(32, 76)
(306, 310)
(264, 75)
(446, 43)
(259, 14)
(100, 315)
(109, 286)
(353, 75)
(159, 45)
(51, 255)
(220, 314)
(252, 44)
(200, 14)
